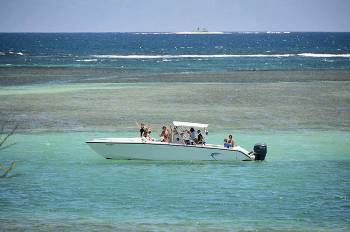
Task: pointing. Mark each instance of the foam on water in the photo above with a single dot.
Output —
(312, 55)
(87, 60)
(324, 55)
(188, 56)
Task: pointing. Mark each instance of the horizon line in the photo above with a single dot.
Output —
(174, 32)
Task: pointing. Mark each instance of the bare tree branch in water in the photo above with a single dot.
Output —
(7, 170)
(3, 138)
(2, 141)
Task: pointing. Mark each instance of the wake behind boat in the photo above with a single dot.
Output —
(180, 147)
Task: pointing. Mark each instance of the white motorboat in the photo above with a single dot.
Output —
(180, 147)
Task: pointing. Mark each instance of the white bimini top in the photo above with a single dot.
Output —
(190, 124)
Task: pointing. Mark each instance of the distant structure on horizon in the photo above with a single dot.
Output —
(200, 30)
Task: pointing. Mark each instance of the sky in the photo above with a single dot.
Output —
(173, 15)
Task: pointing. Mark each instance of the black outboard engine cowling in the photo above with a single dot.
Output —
(260, 150)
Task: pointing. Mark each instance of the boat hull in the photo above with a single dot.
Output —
(121, 150)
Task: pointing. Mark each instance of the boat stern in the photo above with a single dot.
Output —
(259, 151)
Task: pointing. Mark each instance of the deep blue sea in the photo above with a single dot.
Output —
(162, 52)
(290, 90)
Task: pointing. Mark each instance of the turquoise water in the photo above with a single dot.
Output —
(289, 90)
(60, 184)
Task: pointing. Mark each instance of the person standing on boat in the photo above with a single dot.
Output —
(142, 128)
(164, 135)
(231, 141)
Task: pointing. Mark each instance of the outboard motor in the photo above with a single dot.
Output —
(260, 150)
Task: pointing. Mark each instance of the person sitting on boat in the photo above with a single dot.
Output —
(231, 141)
(185, 135)
(147, 134)
(175, 134)
(170, 134)
(176, 137)
(226, 144)
(199, 138)
(193, 136)
(164, 135)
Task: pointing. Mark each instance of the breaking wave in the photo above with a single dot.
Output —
(185, 56)
(311, 55)
(12, 53)
(87, 60)
(321, 55)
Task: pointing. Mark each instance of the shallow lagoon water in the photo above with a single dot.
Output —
(62, 93)
(61, 184)
(226, 106)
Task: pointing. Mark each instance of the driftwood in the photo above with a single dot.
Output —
(3, 138)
